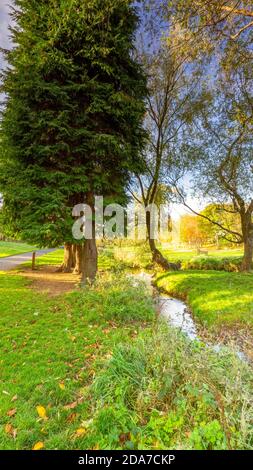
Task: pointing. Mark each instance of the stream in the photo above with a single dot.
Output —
(177, 314)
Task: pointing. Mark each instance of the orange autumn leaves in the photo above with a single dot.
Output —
(9, 428)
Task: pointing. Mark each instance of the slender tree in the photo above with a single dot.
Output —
(222, 138)
(72, 124)
(170, 105)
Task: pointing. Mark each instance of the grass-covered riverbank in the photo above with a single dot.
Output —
(216, 298)
(96, 369)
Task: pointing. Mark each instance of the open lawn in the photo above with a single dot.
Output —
(14, 248)
(215, 298)
(183, 255)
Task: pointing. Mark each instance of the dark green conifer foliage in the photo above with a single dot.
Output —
(72, 122)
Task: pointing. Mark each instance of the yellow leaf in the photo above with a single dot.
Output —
(38, 446)
(62, 386)
(8, 429)
(41, 412)
(96, 447)
(80, 432)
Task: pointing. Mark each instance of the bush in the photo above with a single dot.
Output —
(213, 264)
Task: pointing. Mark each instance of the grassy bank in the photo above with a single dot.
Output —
(216, 298)
(14, 248)
(184, 255)
(51, 350)
(94, 369)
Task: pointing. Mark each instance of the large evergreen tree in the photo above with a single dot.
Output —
(72, 123)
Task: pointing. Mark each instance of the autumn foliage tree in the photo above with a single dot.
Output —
(190, 231)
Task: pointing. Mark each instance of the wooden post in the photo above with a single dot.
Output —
(33, 260)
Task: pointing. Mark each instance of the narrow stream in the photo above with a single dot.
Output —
(178, 315)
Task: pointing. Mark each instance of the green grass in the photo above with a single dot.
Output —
(109, 375)
(178, 255)
(216, 298)
(110, 258)
(45, 343)
(131, 257)
(164, 392)
(54, 258)
(14, 248)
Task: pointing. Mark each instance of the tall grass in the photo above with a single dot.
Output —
(163, 392)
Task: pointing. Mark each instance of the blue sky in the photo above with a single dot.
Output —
(4, 22)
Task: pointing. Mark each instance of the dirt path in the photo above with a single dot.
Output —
(11, 262)
(47, 279)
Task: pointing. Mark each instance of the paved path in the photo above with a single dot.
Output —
(11, 262)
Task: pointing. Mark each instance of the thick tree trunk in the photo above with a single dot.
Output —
(247, 231)
(90, 261)
(90, 253)
(248, 254)
(157, 256)
(68, 260)
(78, 259)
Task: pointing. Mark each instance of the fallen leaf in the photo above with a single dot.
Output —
(12, 412)
(72, 417)
(74, 404)
(62, 386)
(14, 398)
(106, 331)
(38, 446)
(71, 406)
(80, 432)
(8, 428)
(41, 412)
(124, 437)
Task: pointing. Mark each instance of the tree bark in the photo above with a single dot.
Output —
(247, 230)
(157, 256)
(90, 253)
(79, 253)
(90, 261)
(248, 255)
(68, 259)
